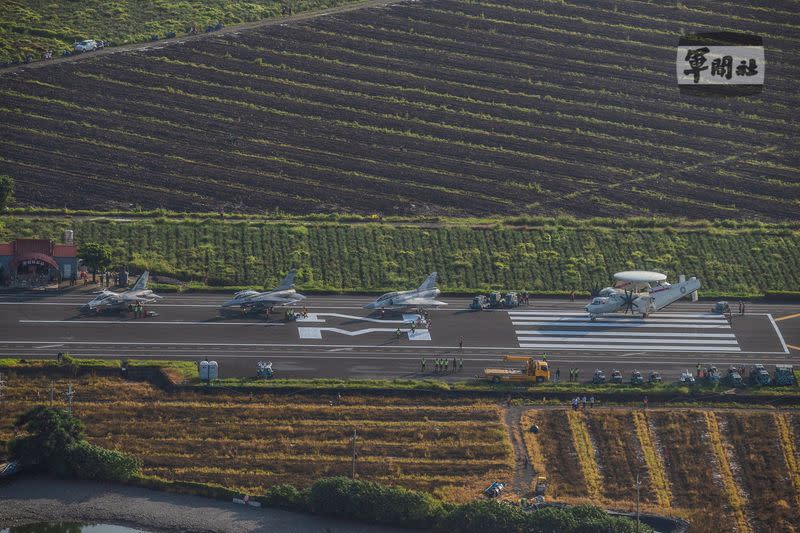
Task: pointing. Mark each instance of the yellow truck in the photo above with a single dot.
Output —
(534, 371)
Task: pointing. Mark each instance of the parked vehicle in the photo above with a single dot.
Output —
(721, 308)
(687, 377)
(86, 46)
(494, 490)
(599, 377)
(655, 377)
(636, 378)
(479, 303)
(616, 376)
(759, 376)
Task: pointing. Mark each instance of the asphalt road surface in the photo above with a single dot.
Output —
(341, 339)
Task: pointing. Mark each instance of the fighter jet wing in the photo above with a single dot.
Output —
(421, 301)
(269, 299)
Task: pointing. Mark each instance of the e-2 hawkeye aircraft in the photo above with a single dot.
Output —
(251, 301)
(640, 292)
(419, 298)
(117, 301)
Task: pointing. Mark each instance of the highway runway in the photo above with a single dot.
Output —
(340, 339)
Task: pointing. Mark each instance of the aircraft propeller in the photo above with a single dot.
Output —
(627, 301)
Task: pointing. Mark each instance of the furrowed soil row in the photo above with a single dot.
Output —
(618, 454)
(390, 116)
(587, 455)
(723, 457)
(515, 126)
(791, 453)
(544, 87)
(565, 475)
(756, 444)
(653, 458)
(692, 468)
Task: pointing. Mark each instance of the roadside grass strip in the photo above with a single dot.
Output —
(586, 455)
(737, 503)
(653, 460)
(790, 453)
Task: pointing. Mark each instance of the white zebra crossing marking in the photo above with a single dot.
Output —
(559, 330)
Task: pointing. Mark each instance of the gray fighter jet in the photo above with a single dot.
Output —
(417, 298)
(255, 302)
(116, 301)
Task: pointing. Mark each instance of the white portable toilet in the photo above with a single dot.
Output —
(203, 366)
(213, 370)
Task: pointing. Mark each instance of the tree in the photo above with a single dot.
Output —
(96, 256)
(51, 432)
(54, 443)
(6, 191)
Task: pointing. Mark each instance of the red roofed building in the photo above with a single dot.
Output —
(32, 262)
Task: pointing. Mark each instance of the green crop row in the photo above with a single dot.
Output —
(374, 257)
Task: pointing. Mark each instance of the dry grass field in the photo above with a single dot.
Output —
(722, 469)
(448, 447)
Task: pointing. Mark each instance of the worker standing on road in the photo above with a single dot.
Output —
(558, 374)
(698, 370)
(397, 333)
(577, 371)
(423, 364)
(461, 344)
(461, 364)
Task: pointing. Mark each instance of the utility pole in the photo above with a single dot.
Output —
(353, 475)
(69, 394)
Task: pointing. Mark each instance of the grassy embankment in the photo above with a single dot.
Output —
(540, 255)
(34, 26)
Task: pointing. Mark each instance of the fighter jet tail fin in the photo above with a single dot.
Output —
(141, 283)
(429, 283)
(287, 282)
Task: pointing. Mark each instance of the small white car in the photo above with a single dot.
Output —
(86, 46)
(687, 377)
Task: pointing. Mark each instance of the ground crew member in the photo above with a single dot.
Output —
(461, 364)
(455, 362)
(591, 401)
(413, 327)
(461, 344)
(558, 374)
(397, 333)
(436, 365)
(423, 364)
(544, 358)
(698, 370)
(577, 371)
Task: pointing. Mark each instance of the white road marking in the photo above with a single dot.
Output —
(145, 321)
(316, 333)
(611, 347)
(591, 324)
(626, 333)
(49, 346)
(618, 340)
(778, 333)
(314, 317)
(585, 314)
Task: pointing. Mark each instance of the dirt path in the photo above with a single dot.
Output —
(33, 500)
(522, 480)
(188, 38)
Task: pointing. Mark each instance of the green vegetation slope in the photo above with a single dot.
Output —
(32, 27)
(536, 255)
